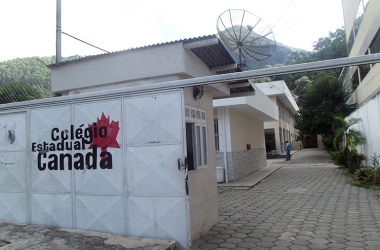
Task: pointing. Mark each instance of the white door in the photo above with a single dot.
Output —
(13, 170)
(157, 201)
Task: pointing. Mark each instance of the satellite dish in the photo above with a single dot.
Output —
(246, 35)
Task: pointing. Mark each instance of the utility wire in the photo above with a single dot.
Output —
(84, 42)
(291, 26)
(283, 26)
(284, 4)
(282, 14)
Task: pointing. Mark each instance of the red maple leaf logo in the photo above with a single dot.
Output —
(98, 131)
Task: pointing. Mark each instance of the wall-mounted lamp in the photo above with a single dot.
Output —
(197, 92)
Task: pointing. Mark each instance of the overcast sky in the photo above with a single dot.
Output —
(28, 26)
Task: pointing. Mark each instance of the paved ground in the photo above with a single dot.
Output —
(306, 204)
(21, 236)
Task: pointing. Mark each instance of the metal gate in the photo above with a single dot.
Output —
(102, 165)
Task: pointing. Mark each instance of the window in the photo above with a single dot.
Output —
(355, 80)
(364, 69)
(359, 75)
(350, 42)
(190, 146)
(358, 18)
(375, 45)
(196, 138)
(204, 146)
(357, 22)
(199, 146)
(216, 130)
(345, 77)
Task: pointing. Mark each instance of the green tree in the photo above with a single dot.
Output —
(348, 135)
(351, 138)
(31, 70)
(298, 57)
(302, 85)
(322, 101)
(18, 91)
(330, 47)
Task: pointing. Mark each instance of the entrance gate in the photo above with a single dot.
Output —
(101, 165)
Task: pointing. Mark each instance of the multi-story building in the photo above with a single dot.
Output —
(362, 23)
(278, 132)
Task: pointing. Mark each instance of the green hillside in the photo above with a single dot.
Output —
(31, 70)
(24, 79)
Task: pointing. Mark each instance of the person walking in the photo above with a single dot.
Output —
(287, 151)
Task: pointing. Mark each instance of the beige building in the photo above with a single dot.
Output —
(362, 23)
(282, 130)
(239, 138)
(166, 63)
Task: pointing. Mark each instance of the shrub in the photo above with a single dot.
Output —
(369, 174)
(348, 158)
(355, 159)
(340, 157)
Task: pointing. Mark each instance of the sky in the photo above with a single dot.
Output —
(28, 27)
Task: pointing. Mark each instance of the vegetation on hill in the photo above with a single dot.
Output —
(23, 79)
(321, 95)
(21, 91)
(30, 70)
(321, 101)
(330, 47)
(279, 57)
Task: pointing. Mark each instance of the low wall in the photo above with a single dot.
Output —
(242, 163)
(296, 145)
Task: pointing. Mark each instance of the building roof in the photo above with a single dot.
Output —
(207, 48)
(258, 106)
(213, 53)
(281, 91)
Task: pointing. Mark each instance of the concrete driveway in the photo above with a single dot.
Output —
(306, 204)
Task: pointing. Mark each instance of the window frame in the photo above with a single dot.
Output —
(197, 119)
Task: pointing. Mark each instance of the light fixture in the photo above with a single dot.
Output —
(197, 92)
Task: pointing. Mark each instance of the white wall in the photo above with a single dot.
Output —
(369, 113)
(280, 91)
(147, 65)
(367, 93)
(245, 130)
(203, 193)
